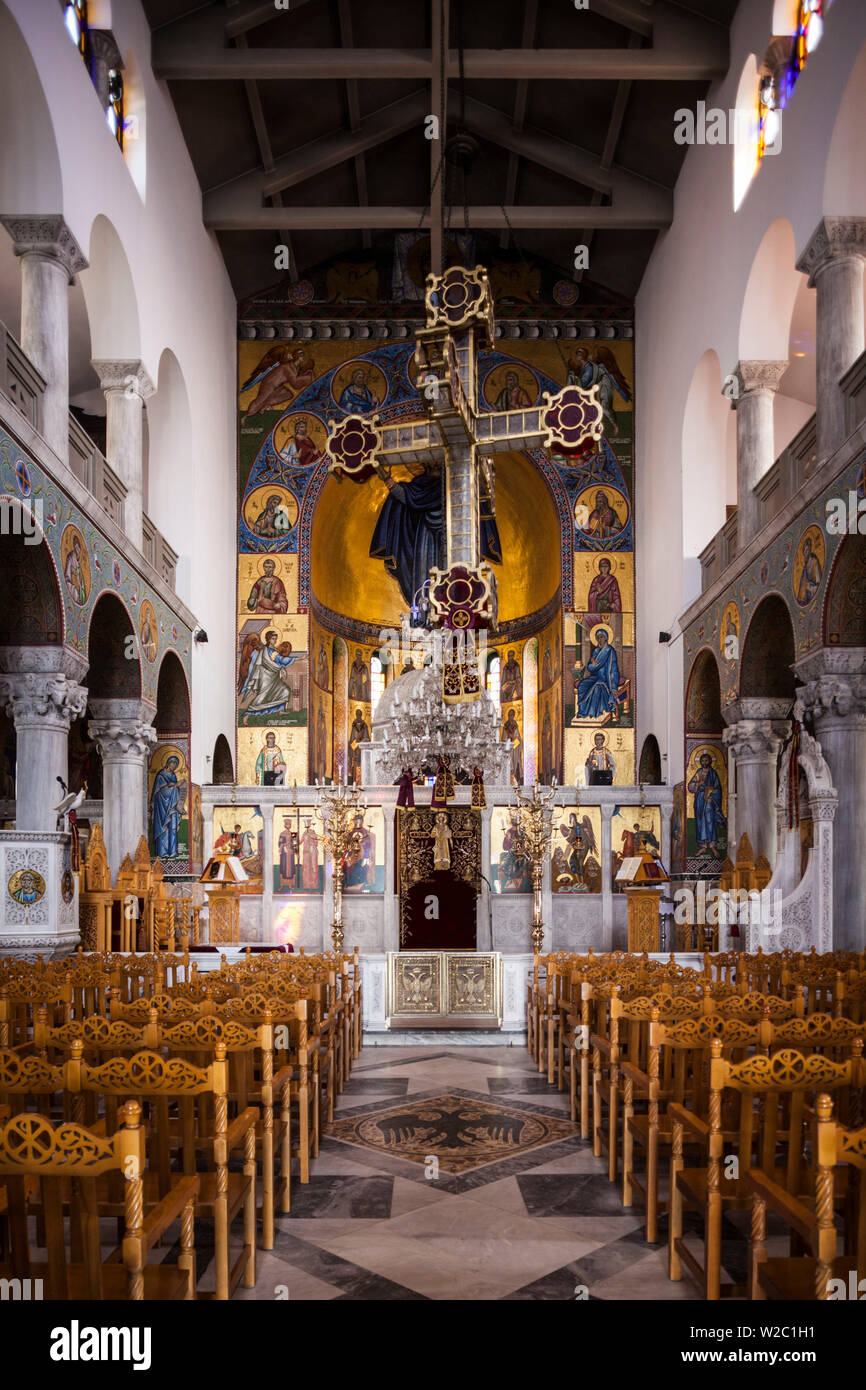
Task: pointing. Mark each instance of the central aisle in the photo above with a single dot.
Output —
(520, 1209)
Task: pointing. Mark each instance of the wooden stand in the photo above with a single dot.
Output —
(643, 878)
(224, 915)
(644, 921)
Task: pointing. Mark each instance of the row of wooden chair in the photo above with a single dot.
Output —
(243, 1061)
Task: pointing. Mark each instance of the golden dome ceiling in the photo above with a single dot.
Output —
(347, 580)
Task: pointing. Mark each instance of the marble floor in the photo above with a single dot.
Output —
(454, 1173)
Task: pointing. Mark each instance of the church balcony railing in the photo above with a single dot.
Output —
(853, 385)
(86, 475)
(89, 465)
(158, 552)
(19, 380)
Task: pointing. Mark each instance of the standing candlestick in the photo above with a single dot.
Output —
(536, 818)
(336, 808)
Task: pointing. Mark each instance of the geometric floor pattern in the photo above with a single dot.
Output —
(517, 1207)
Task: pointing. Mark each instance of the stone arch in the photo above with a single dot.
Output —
(223, 772)
(30, 174)
(746, 130)
(845, 600)
(845, 177)
(777, 324)
(110, 296)
(112, 648)
(172, 697)
(709, 455)
(704, 696)
(768, 651)
(650, 765)
(169, 470)
(768, 301)
(31, 613)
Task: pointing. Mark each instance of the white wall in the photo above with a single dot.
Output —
(691, 301)
(183, 303)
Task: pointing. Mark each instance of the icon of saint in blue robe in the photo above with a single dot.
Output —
(706, 788)
(357, 398)
(165, 811)
(597, 691)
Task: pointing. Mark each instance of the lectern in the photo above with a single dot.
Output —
(643, 879)
(221, 877)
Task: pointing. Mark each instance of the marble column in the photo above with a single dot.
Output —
(484, 934)
(50, 260)
(127, 386)
(606, 881)
(267, 916)
(834, 260)
(834, 696)
(124, 735)
(756, 728)
(40, 692)
(390, 900)
(757, 384)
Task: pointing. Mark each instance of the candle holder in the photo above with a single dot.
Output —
(336, 809)
(536, 819)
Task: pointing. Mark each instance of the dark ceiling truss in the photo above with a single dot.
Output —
(681, 47)
(663, 42)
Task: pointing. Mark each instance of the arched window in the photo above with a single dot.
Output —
(377, 682)
(494, 676)
(769, 123)
(95, 52)
(114, 109)
(810, 27)
(75, 19)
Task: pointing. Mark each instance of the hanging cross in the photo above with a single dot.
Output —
(461, 437)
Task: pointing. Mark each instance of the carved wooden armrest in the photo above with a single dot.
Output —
(169, 1209)
(248, 1119)
(794, 1211)
(636, 1076)
(678, 1114)
(601, 1044)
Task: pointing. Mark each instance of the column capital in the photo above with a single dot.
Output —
(121, 729)
(46, 236)
(758, 375)
(122, 739)
(835, 696)
(834, 239)
(757, 707)
(31, 697)
(754, 738)
(128, 375)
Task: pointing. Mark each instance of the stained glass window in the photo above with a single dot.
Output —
(114, 109)
(810, 27)
(768, 117)
(75, 19)
(494, 674)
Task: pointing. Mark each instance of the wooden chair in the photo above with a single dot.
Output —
(676, 1072)
(173, 1082)
(840, 1165)
(66, 1164)
(770, 1135)
(297, 1050)
(252, 1081)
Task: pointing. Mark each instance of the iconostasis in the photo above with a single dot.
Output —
(324, 567)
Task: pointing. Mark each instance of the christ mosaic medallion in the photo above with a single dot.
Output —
(462, 1133)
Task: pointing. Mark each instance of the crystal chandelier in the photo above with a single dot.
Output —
(413, 725)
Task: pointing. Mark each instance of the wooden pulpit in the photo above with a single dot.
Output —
(643, 879)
